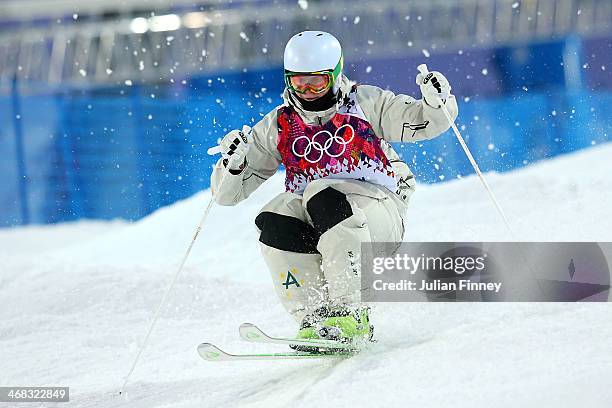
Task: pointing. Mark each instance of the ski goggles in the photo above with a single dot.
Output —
(315, 82)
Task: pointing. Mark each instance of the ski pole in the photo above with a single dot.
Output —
(424, 71)
(211, 151)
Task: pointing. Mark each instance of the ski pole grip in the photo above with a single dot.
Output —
(217, 149)
(214, 150)
(246, 129)
(423, 69)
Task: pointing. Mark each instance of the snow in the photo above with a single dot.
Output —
(77, 300)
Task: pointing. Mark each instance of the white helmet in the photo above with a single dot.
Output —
(314, 52)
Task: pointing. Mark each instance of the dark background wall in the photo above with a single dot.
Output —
(124, 151)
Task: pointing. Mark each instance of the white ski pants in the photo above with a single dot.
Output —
(311, 243)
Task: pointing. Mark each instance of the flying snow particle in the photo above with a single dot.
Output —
(515, 4)
(356, 20)
(484, 71)
(466, 99)
(264, 50)
(244, 36)
(150, 116)
(303, 4)
(109, 71)
(370, 42)
(554, 113)
(603, 67)
(409, 43)
(75, 16)
(83, 72)
(490, 146)
(128, 82)
(425, 53)
(141, 65)
(368, 69)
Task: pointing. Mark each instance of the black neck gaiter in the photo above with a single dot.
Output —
(323, 103)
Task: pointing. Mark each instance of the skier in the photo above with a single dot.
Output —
(344, 183)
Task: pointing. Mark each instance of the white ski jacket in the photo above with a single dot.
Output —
(394, 118)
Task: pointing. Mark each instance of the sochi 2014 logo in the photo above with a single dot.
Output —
(323, 142)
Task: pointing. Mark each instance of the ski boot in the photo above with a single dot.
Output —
(341, 323)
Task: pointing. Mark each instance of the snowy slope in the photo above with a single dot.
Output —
(77, 299)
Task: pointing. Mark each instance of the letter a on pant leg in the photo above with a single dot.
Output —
(288, 245)
(297, 278)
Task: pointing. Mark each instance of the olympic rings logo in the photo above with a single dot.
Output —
(323, 147)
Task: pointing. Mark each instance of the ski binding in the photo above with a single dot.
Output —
(252, 333)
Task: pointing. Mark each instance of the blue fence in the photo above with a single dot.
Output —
(128, 150)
